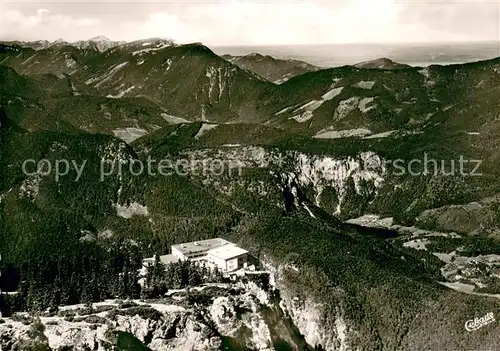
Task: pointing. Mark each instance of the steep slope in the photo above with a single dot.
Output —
(55, 60)
(157, 70)
(348, 98)
(19, 96)
(188, 81)
(49, 102)
(367, 102)
(274, 70)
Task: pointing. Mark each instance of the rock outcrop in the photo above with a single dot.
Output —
(243, 314)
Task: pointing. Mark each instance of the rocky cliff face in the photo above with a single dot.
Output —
(335, 180)
(172, 331)
(309, 315)
(339, 185)
(242, 315)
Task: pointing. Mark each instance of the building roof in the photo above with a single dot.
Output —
(165, 259)
(227, 252)
(200, 246)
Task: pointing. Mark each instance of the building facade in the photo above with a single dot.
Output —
(228, 258)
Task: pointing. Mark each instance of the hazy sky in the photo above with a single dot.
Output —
(252, 22)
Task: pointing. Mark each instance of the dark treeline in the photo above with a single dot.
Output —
(160, 278)
(90, 274)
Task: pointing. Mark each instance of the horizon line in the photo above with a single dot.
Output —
(408, 43)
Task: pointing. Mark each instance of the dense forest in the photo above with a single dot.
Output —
(93, 274)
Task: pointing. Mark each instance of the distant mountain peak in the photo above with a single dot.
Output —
(199, 47)
(381, 63)
(100, 42)
(254, 54)
(155, 41)
(158, 38)
(59, 41)
(100, 38)
(272, 69)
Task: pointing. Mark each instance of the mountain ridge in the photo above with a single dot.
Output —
(100, 43)
(381, 63)
(274, 70)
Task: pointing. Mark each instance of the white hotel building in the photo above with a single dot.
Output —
(218, 252)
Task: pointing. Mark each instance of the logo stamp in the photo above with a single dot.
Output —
(477, 323)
